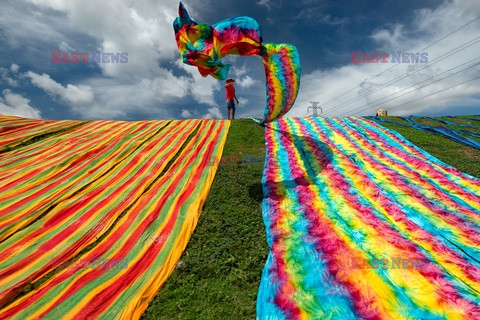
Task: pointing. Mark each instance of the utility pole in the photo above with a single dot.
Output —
(315, 108)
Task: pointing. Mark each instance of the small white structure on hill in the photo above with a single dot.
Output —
(382, 113)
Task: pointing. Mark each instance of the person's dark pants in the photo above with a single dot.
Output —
(231, 106)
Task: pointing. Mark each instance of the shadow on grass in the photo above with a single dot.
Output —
(255, 191)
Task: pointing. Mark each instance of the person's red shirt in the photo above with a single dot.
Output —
(230, 92)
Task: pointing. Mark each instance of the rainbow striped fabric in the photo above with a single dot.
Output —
(204, 46)
(104, 208)
(362, 224)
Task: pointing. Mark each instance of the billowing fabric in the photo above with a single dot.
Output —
(362, 224)
(204, 46)
(137, 187)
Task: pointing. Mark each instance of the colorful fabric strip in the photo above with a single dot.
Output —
(362, 224)
(444, 131)
(137, 186)
(452, 123)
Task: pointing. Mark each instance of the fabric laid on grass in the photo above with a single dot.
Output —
(413, 120)
(107, 209)
(444, 131)
(452, 123)
(459, 131)
(362, 224)
(469, 133)
(15, 131)
(453, 135)
(467, 118)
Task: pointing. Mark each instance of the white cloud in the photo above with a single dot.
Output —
(242, 102)
(213, 113)
(16, 105)
(23, 23)
(202, 89)
(54, 4)
(14, 67)
(12, 82)
(314, 12)
(265, 3)
(186, 113)
(239, 71)
(391, 37)
(143, 29)
(246, 82)
(428, 25)
(7, 74)
(65, 47)
(334, 21)
(72, 94)
(117, 99)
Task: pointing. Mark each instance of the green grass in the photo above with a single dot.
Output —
(219, 273)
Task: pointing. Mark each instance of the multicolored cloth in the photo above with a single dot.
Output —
(455, 135)
(104, 208)
(204, 46)
(451, 123)
(362, 224)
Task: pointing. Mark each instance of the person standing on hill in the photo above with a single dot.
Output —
(230, 96)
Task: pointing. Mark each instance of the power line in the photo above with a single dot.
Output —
(442, 57)
(431, 94)
(376, 102)
(379, 74)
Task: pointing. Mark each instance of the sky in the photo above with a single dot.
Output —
(155, 84)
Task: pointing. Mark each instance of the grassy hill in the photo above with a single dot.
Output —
(219, 273)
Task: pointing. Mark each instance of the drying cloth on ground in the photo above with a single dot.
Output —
(459, 131)
(468, 118)
(15, 131)
(469, 133)
(444, 131)
(452, 123)
(106, 209)
(362, 224)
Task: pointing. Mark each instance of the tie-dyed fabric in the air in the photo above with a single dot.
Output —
(105, 208)
(362, 224)
(204, 46)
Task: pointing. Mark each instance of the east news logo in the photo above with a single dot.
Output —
(97, 56)
(397, 57)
